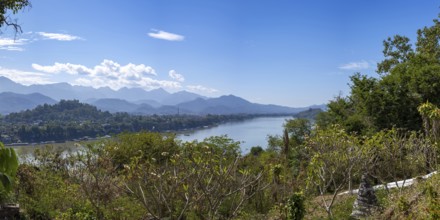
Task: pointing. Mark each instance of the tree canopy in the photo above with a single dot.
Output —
(408, 76)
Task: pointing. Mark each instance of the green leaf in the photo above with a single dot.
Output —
(6, 180)
(8, 166)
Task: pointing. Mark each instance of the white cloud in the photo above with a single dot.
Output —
(176, 76)
(12, 44)
(73, 69)
(111, 74)
(355, 65)
(199, 88)
(145, 83)
(106, 68)
(25, 77)
(59, 36)
(163, 35)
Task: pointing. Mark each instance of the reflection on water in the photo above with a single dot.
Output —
(252, 132)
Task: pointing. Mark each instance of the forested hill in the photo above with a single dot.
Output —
(71, 119)
(62, 111)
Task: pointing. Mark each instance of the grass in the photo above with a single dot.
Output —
(419, 201)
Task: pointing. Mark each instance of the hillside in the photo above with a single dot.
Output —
(63, 111)
(233, 105)
(115, 105)
(13, 102)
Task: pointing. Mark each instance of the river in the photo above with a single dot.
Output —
(252, 132)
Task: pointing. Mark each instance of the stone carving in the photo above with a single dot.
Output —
(366, 202)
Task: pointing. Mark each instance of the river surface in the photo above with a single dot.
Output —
(252, 132)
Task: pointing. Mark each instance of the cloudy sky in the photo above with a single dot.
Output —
(287, 52)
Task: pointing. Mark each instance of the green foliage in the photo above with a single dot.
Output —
(45, 194)
(8, 167)
(433, 202)
(342, 111)
(343, 207)
(309, 114)
(335, 160)
(403, 204)
(274, 143)
(396, 50)
(431, 119)
(298, 130)
(256, 150)
(295, 207)
(145, 146)
(14, 6)
(403, 154)
(408, 77)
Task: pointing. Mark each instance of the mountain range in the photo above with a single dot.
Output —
(16, 97)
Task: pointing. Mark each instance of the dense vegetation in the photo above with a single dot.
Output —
(154, 176)
(387, 128)
(407, 77)
(69, 120)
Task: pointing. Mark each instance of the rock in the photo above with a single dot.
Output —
(366, 202)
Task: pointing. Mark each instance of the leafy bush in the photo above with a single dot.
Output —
(295, 207)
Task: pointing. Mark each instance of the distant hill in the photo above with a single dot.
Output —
(13, 102)
(224, 105)
(180, 97)
(149, 102)
(136, 100)
(115, 105)
(234, 105)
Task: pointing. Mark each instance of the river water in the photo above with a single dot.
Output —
(252, 132)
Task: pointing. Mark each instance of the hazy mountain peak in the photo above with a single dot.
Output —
(14, 102)
(233, 98)
(159, 90)
(130, 89)
(4, 79)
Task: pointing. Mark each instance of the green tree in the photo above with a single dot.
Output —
(296, 208)
(201, 180)
(298, 130)
(396, 50)
(394, 155)
(335, 159)
(408, 76)
(431, 119)
(13, 6)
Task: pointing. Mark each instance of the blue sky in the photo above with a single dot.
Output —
(288, 52)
